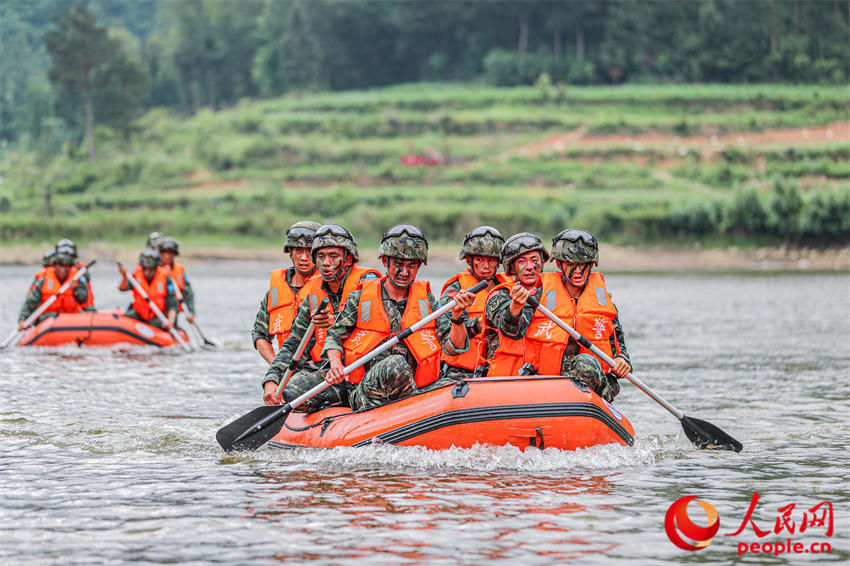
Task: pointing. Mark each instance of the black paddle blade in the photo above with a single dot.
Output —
(706, 436)
(252, 430)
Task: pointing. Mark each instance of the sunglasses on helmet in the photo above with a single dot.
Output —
(334, 229)
(574, 235)
(523, 242)
(300, 232)
(402, 229)
(483, 231)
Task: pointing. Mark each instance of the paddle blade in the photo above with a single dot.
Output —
(252, 430)
(706, 436)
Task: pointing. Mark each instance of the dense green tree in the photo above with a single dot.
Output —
(211, 53)
(290, 58)
(122, 85)
(77, 46)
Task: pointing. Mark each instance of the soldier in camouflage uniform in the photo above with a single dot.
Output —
(297, 243)
(86, 278)
(150, 268)
(62, 266)
(481, 249)
(335, 254)
(510, 317)
(153, 240)
(168, 249)
(402, 300)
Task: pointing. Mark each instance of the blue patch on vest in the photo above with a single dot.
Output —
(551, 299)
(600, 296)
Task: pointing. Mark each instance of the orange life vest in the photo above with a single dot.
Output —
(469, 359)
(314, 293)
(178, 274)
(64, 302)
(373, 327)
(90, 301)
(544, 342)
(283, 305)
(157, 290)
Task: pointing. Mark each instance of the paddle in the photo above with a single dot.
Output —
(293, 363)
(254, 429)
(206, 341)
(156, 311)
(34, 316)
(703, 434)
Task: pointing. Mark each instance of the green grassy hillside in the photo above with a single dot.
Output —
(636, 164)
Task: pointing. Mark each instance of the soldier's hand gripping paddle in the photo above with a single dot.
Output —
(252, 430)
(703, 434)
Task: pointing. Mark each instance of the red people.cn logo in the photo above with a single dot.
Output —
(677, 521)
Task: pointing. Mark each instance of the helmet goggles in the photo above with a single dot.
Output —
(574, 235)
(402, 229)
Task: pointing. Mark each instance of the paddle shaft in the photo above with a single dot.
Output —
(194, 324)
(605, 357)
(293, 363)
(162, 318)
(46, 304)
(284, 409)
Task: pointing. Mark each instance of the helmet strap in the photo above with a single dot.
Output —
(567, 277)
(342, 271)
(387, 261)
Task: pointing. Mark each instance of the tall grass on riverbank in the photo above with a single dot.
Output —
(637, 164)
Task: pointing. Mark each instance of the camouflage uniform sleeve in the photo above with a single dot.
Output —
(444, 327)
(344, 324)
(284, 356)
(620, 338)
(32, 301)
(188, 295)
(170, 296)
(261, 322)
(500, 317)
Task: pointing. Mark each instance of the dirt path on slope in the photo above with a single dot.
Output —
(835, 132)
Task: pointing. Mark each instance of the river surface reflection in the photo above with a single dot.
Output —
(109, 457)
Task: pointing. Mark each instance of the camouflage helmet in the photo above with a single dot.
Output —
(334, 235)
(166, 244)
(67, 243)
(483, 241)
(153, 239)
(404, 241)
(65, 255)
(300, 235)
(586, 367)
(575, 246)
(149, 258)
(517, 245)
(48, 257)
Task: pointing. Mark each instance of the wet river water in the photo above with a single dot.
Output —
(109, 457)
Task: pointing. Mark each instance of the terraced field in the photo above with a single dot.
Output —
(637, 164)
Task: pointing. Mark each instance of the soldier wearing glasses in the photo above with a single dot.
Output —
(383, 307)
(481, 249)
(516, 335)
(280, 303)
(334, 251)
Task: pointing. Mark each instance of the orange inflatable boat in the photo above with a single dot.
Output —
(100, 328)
(538, 411)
